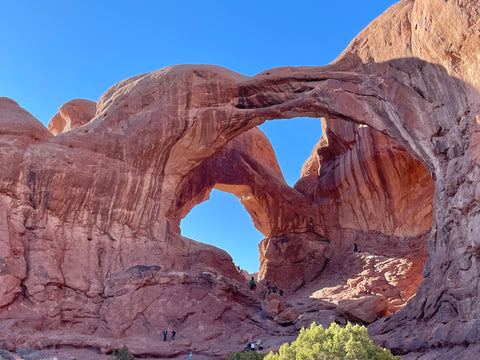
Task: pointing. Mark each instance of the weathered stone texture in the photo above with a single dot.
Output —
(91, 250)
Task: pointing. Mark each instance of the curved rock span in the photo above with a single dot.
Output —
(91, 252)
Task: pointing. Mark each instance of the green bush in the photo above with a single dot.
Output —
(122, 354)
(246, 355)
(335, 343)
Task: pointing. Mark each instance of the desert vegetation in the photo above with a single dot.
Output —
(334, 343)
(340, 343)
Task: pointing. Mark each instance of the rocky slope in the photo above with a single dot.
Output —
(91, 252)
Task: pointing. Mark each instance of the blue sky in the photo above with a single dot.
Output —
(55, 51)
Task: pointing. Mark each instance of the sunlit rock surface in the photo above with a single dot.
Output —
(91, 254)
(71, 115)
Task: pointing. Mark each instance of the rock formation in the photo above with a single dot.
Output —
(91, 253)
(71, 115)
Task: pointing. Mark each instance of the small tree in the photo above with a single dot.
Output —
(334, 343)
(123, 354)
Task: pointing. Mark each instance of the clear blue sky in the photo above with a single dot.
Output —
(55, 51)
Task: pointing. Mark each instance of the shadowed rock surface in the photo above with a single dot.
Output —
(91, 254)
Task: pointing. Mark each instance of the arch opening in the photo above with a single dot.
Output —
(222, 220)
(376, 203)
(293, 141)
(358, 194)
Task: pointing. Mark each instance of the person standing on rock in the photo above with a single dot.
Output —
(165, 333)
(263, 294)
(173, 334)
(252, 284)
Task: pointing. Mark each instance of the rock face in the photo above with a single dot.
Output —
(18, 130)
(91, 253)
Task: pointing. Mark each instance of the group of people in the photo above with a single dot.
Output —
(165, 334)
(272, 290)
(251, 346)
(267, 290)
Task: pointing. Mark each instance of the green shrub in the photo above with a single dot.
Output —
(335, 343)
(122, 354)
(246, 355)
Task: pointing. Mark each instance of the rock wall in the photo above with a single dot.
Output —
(444, 33)
(90, 218)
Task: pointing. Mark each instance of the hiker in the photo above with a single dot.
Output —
(263, 294)
(173, 334)
(190, 356)
(259, 344)
(165, 333)
(252, 284)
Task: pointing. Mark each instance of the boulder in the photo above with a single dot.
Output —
(287, 316)
(365, 310)
(274, 304)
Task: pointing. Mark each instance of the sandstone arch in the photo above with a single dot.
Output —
(247, 167)
(105, 237)
(130, 111)
(114, 152)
